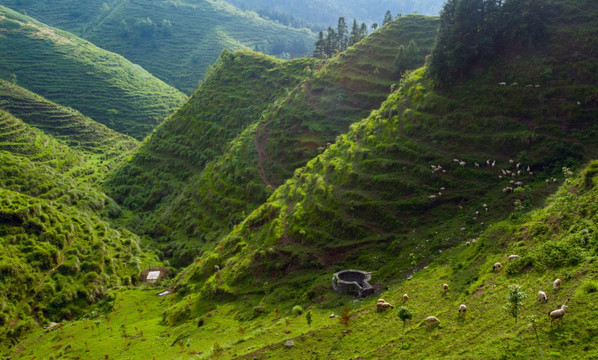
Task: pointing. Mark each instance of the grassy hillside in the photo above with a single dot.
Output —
(59, 259)
(235, 93)
(175, 41)
(558, 241)
(75, 73)
(285, 135)
(375, 199)
(65, 124)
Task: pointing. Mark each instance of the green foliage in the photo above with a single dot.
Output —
(476, 31)
(175, 41)
(515, 300)
(297, 310)
(75, 73)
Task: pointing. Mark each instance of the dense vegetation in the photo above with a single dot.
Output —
(433, 187)
(68, 125)
(285, 134)
(58, 257)
(174, 40)
(75, 73)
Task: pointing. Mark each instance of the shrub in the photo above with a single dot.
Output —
(297, 310)
(590, 286)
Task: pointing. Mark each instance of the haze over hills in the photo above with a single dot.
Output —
(476, 171)
(174, 40)
(325, 13)
(75, 73)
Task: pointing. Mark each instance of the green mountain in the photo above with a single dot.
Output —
(276, 138)
(174, 40)
(59, 259)
(68, 125)
(75, 73)
(454, 172)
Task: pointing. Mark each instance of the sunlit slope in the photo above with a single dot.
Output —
(76, 73)
(58, 256)
(290, 131)
(180, 40)
(65, 124)
(374, 199)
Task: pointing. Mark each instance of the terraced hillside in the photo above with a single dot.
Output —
(377, 199)
(65, 124)
(291, 131)
(75, 73)
(58, 257)
(234, 95)
(175, 41)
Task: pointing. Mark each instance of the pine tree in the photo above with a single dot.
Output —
(341, 33)
(387, 18)
(355, 34)
(331, 43)
(320, 46)
(363, 31)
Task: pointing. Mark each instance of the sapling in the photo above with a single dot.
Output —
(404, 314)
(345, 318)
(515, 297)
(308, 318)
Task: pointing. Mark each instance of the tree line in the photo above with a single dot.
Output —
(340, 39)
(472, 31)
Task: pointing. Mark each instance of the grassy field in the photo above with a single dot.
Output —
(75, 73)
(141, 324)
(180, 40)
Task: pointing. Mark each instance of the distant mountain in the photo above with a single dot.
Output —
(326, 12)
(73, 72)
(174, 40)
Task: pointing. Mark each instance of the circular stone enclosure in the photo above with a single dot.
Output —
(354, 282)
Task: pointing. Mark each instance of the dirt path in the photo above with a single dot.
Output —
(260, 144)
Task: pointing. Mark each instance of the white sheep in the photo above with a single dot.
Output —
(432, 197)
(405, 297)
(382, 306)
(503, 83)
(556, 284)
(494, 163)
(542, 296)
(518, 183)
(462, 309)
(462, 163)
(515, 84)
(467, 243)
(476, 165)
(557, 314)
(445, 287)
(513, 257)
(511, 161)
(496, 266)
(462, 229)
(432, 321)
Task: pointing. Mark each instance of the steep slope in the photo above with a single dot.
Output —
(75, 73)
(290, 132)
(325, 13)
(65, 124)
(373, 199)
(175, 41)
(59, 259)
(234, 95)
